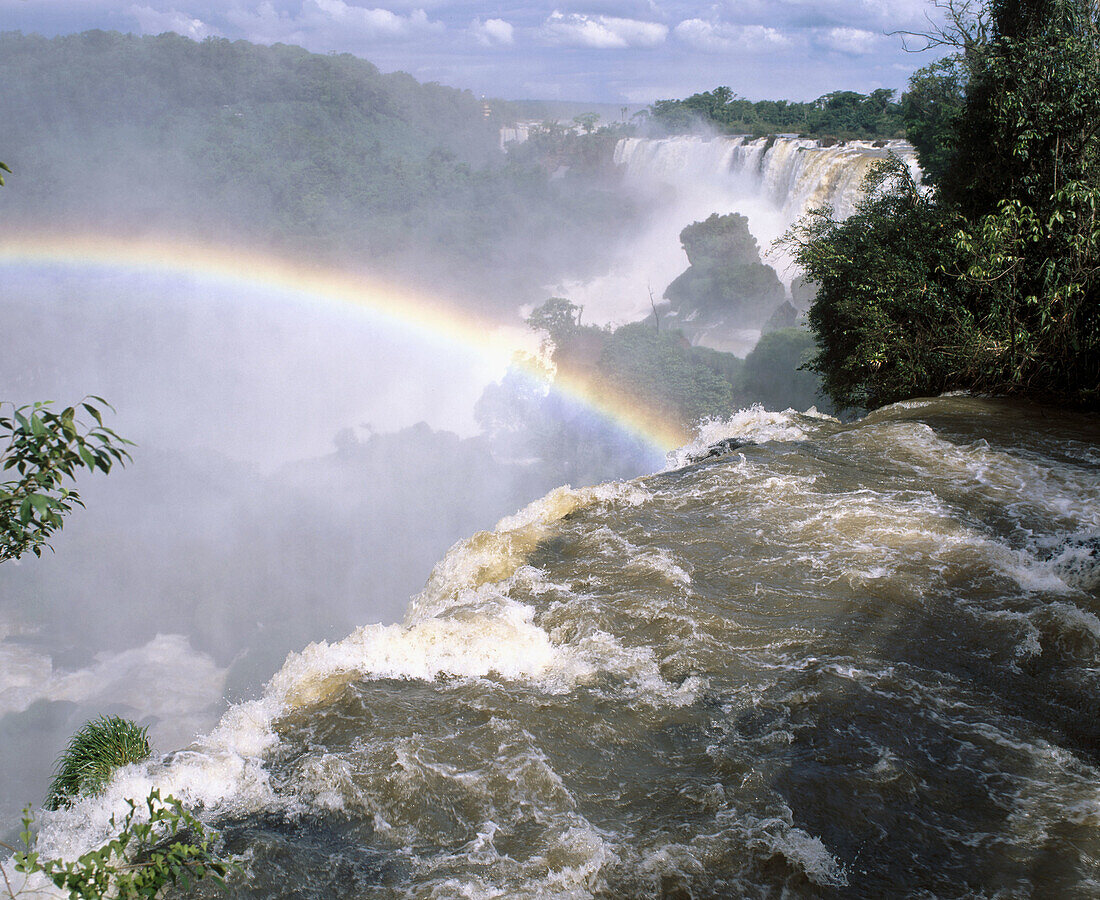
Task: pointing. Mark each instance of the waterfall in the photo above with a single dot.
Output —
(772, 181)
(792, 175)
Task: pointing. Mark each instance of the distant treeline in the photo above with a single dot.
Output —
(320, 154)
(843, 115)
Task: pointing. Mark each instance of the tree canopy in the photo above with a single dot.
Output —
(726, 283)
(990, 281)
(301, 153)
(841, 114)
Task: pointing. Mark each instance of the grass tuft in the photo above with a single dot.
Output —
(93, 755)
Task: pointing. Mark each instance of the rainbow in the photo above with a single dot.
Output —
(426, 317)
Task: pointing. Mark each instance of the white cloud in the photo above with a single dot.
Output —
(492, 32)
(154, 21)
(720, 37)
(853, 41)
(330, 24)
(602, 32)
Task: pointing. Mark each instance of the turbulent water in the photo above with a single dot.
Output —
(825, 660)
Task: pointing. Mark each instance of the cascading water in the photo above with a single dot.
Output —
(793, 175)
(771, 181)
(828, 661)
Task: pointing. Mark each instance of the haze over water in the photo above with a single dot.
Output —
(796, 658)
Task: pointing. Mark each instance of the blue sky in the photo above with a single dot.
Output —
(600, 50)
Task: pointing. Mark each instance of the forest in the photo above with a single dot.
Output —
(324, 157)
(276, 147)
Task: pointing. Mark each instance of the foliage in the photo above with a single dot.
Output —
(773, 374)
(587, 121)
(1035, 277)
(726, 282)
(659, 369)
(523, 419)
(313, 154)
(887, 319)
(1032, 113)
(92, 756)
(931, 109)
(557, 317)
(45, 448)
(1027, 177)
(164, 845)
(3, 168)
(992, 281)
(720, 240)
(841, 114)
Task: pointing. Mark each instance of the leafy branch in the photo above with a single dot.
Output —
(169, 846)
(45, 448)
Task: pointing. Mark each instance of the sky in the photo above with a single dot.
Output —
(614, 51)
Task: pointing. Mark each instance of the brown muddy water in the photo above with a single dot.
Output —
(835, 661)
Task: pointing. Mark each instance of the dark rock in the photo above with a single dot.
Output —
(785, 316)
(724, 446)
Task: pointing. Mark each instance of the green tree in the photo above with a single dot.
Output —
(557, 317)
(160, 845)
(774, 372)
(1027, 178)
(726, 283)
(45, 449)
(1032, 112)
(587, 121)
(931, 110)
(991, 282)
(843, 114)
(660, 369)
(887, 318)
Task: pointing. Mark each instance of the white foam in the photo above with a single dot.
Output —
(1018, 479)
(661, 563)
(464, 624)
(493, 556)
(754, 425)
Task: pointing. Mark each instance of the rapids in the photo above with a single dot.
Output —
(838, 660)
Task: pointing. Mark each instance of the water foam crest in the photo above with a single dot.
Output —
(463, 624)
(754, 425)
(493, 556)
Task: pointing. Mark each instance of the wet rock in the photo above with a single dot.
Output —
(724, 446)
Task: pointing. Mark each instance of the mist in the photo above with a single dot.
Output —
(297, 472)
(299, 467)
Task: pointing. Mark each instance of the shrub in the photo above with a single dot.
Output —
(169, 845)
(93, 755)
(773, 374)
(889, 321)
